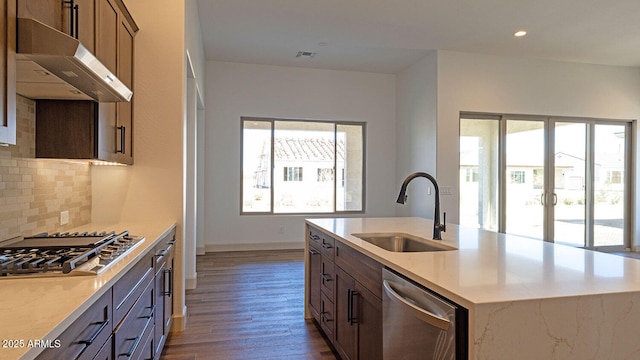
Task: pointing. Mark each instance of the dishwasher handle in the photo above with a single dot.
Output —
(418, 312)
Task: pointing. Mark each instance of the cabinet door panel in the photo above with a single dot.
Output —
(48, 12)
(346, 325)
(124, 137)
(315, 271)
(327, 278)
(369, 310)
(86, 23)
(107, 131)
(169, 279)
(107, 31)
(327, 316)
(7, 72)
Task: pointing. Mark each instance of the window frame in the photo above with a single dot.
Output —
(336, 124)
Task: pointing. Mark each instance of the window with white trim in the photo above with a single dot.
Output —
(279, 159)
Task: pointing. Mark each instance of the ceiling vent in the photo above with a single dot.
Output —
(306, 54)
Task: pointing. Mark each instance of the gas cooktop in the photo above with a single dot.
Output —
(87, 253)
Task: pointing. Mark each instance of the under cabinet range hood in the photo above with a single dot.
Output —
(53, 65)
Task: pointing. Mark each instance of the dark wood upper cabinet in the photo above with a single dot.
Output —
(112, 31)
(7, 72)
(75, 18)
(49, 12)
(67, 129)
(107, 28)
(84, 25)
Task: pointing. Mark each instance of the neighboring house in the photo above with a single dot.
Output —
(301, 164)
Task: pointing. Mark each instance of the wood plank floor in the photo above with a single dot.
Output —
(248, 305)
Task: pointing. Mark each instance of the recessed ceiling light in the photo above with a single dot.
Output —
(520, 33)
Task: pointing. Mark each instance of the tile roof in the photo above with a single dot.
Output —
(307, 149)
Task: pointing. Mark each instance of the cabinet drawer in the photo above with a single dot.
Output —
(127, 290)
(106, 352)
(130, 333)
(146, 348)
(327, 277)
(328, 247)
(365, 270)
(164, 251)
(315, 239)
(85, 337)
(322, 242)
(327, 316)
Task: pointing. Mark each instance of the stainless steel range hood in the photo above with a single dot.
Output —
(53, 65)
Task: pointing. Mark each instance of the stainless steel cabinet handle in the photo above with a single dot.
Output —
(93, 337)
(351, 319)
(167, 282)
(314, 252)
(122, 139)
(150, 314)
(76, 21)
(324, 317)
(73, 18)
(135, 340)
(418, 312)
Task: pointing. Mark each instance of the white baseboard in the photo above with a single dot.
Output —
(200, 250)
(191, 283)
(179, 322)
(255, 246)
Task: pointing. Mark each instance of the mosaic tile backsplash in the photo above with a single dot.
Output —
(33, 192)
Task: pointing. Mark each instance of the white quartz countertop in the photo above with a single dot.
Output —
(42, 308)
(490, 267)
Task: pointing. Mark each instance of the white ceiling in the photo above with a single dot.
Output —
(387, 35)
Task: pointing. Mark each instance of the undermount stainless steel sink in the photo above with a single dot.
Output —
(401, 242)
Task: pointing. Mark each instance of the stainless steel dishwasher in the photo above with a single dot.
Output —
(418, 324)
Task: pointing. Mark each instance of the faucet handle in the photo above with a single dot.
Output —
(444, 221)
(443, 227)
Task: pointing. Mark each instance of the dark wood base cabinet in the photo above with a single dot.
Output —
(131, 320)
(345, 296)
(164, 256)
(87, 336)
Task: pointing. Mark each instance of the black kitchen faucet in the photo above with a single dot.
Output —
(402, 197)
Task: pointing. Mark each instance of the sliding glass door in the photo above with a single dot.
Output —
(569, 194)
(524, 177)
(610, 184)
(557, 179)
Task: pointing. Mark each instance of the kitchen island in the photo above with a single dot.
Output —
(36, 311)
(526, 299)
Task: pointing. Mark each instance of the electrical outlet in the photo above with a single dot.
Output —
(64, 217)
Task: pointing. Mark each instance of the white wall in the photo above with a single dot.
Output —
(485, 83)
(416, 133)
(234, 90)
(194, 44)
(194, 78)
